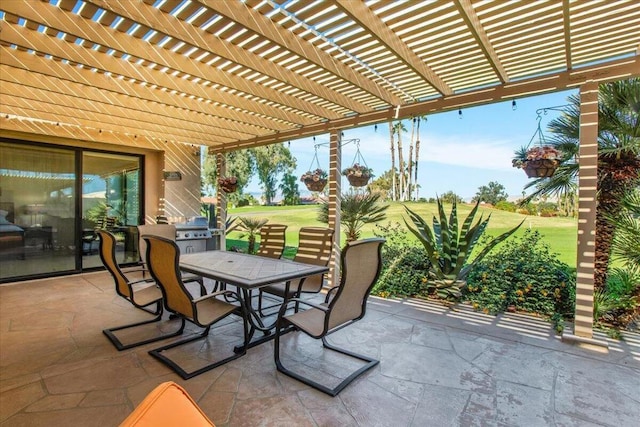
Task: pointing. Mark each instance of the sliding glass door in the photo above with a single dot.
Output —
(37, 210)
(111, 201)
(52, 201)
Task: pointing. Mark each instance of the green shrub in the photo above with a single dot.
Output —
(522, 273)
(617, 303)
(404, 265)
(503, 205)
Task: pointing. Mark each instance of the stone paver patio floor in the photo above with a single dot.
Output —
(439, 367)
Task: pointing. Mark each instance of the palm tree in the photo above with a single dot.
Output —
(398, 128)
(627, 224)
(393, 161)
(356, 210)
(410, 162)
(415, 171)
(618, 159)
(252, 227)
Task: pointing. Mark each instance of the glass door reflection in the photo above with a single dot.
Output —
(110, 201)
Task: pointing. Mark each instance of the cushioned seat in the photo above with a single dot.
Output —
(167, 405)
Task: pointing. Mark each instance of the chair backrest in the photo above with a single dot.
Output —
(314, 247)
(272, 240)
(168, 231)
(108, 257)
(361, 265)
(162, 260)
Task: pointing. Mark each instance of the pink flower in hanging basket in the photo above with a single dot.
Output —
(358, 170)
(315, 175)
(523, 156)
(544, 152)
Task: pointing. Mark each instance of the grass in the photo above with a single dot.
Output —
(558, 232)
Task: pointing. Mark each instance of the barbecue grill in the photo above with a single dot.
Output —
(195, 235)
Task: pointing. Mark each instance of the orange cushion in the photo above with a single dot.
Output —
(167, 405)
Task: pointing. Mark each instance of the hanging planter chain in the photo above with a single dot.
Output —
(315, 179)
(542, 160)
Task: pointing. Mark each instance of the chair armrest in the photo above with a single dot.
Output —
(284, 306)
(141, 281)
(213, 295)
(335, 288)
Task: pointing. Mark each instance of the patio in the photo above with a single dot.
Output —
(438, 367)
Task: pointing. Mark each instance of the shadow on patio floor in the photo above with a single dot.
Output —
(438, 367)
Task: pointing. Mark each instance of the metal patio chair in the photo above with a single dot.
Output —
(168, 231)
(162, 260)
(272, 240)
(141, 293)
(344, 305)
(314, 247)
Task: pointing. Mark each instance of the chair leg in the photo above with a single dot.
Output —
(321, 387)
(157, 353)
(120, 346)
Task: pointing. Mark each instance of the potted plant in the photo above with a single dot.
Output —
(537, 162)
(358, 175)
(229, 184)
(315, 180)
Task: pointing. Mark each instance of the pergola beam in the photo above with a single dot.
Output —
(153, 18)
(258, 23)
(362, 14)
(477, 30)
(84, 78)
(621, 69)
(94, 32)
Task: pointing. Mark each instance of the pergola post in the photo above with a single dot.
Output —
(221, 200)
(587, 205)
(335, 178)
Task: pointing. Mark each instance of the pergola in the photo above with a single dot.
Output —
(236, 74)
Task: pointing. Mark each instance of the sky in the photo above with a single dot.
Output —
(458, 153)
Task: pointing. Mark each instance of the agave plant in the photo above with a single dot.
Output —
(448, 247)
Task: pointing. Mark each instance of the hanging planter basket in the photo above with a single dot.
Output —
(358, 181)
(316, 186)
(543, 168)
(228, 185)
(315, 179)
(540, 161)
(358, 174)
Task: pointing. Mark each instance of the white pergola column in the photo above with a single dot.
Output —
(221, 200)
(587, 205)
(335, 177)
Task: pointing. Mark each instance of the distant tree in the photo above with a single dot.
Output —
(382, 184)
(451, 197)
(492, 193)
(289, 188)
(398, 128)
(270, 161)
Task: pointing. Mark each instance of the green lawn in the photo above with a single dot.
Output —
(558, 232)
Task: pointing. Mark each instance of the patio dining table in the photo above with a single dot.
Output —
(248, 272)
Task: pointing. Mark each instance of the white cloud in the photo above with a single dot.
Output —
(479, 153)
